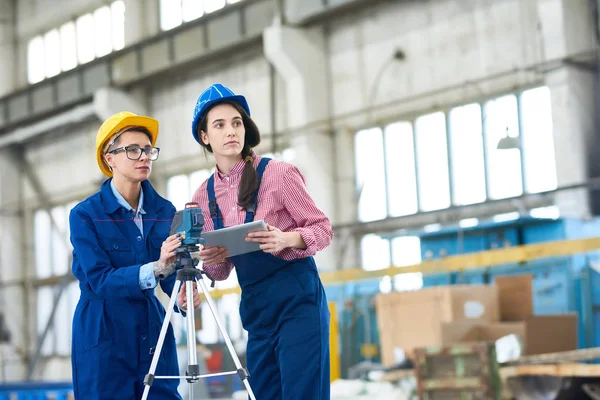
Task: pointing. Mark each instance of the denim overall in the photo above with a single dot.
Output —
(284, 309)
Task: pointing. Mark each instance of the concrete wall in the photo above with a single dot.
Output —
(446, 43)
(456, 52)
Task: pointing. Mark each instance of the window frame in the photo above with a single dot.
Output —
(177, 16)
(37, 69)
(485, 151)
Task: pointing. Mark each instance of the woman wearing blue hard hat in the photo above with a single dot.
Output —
(283, 305)
(121, 247)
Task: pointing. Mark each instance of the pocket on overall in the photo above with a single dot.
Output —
(91, 329)
(308, 282)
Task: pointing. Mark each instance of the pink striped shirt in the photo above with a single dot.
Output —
(283, 202)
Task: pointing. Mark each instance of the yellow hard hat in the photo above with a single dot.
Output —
(114, 124)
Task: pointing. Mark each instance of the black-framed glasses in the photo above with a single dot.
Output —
(134, 152)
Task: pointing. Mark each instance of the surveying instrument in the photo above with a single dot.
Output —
(189, 223)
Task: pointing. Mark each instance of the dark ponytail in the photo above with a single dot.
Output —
(249, 180)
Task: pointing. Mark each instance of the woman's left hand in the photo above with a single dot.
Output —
(182, 297)
(272, 240)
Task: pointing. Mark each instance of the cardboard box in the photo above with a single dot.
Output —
(539, 334)
(414, 319)
(515, 297)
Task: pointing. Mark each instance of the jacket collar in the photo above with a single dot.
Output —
(151, 201)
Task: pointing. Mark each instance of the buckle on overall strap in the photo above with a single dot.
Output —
(252, 206)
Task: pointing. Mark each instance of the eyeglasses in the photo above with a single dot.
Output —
(134, 152)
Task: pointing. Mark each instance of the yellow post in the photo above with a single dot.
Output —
(334, 343)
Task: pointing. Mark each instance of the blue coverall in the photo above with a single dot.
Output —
(284, 309)
(116, 324)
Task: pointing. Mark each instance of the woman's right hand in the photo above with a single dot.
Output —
(213, 255)
(165, 266)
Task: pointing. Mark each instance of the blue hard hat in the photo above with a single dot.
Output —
(214, 94)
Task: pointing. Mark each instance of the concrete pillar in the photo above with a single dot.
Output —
(299, 57)
(12, 265)
(7, 46)
(568, 29)
(142, 20)
(573, 124)
(346, 245)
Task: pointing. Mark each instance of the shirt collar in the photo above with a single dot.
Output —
(237, 169)
(121, 200)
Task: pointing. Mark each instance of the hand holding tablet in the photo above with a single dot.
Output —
(272, 240)
(233, 238)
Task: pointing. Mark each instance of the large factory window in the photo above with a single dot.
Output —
(501, 119)
(401, 251)
(464, 155)
(176, 12)
(400, 158)
(432, 162)
(85, 38)
(76, 42)
(468, 173)
(68, 43)
(51, 50)
(370, 175)
(536, 128)
(35, 60)
(52, 249)
(375, 252)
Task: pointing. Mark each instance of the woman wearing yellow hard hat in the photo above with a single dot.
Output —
(121, 245)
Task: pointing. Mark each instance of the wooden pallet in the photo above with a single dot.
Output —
(592, 353)
(466, 371)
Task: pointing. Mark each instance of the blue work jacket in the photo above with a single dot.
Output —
(117, 323)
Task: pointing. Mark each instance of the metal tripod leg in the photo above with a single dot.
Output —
(193, 368)
(189, 275)
(149, 379)
(242, 372)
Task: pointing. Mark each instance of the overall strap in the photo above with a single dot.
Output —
(252, 207)
(215, 213)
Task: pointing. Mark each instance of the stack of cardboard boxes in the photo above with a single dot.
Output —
(444, 315)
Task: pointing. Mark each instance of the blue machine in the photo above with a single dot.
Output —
(560, 284)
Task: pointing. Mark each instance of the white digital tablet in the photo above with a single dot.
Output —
(233, 238)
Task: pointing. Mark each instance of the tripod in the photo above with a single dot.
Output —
(188, 273)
